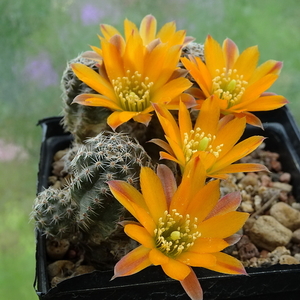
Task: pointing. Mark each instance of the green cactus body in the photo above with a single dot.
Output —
(55, 212)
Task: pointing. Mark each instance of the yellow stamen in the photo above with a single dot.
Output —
(175, 233)
(196, 140)
(229, 86)
(133, 91)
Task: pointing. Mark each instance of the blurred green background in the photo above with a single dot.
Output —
(37, 38)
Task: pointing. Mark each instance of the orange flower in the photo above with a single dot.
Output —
(148, 32)
(235, 79)
(179, 228)
(135, 71)
(213, 140)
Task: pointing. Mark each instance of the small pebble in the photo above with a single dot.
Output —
(288, 260)
(286, 215)
(296, 236)
(267, 233)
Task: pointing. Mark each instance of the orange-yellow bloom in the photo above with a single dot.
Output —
(135, 71)
(179, 227)
(148, 32)
(213, 140)
(235, 79)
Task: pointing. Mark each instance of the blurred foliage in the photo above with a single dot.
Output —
(37, 38)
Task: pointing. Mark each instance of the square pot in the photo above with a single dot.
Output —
(263, 283)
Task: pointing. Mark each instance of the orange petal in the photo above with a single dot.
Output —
(177, 149)
(227, 264)
(140, 234)
(254, 91)
(233, 239)
(133, 58)
(231, 52)
(209, 115)
(192, 286)
(92, 56)
(98, 51)
(200, 73)
(126, 194)
(170, 90)
(204, 201)
(224, 120)
(156, 56)
(156, 202)
(188, 100)
(214, 57)
(229, 202)
(133, 262)
(118, 41)
(143, 118)
(113, 60)
(184, 120)
(93, 80)
(167, 122)
(131, 199)
(268, 67)
(208, 245)
(246, 167)
(247, 62)
(240, 150)
(148, 29)
(95, 100)
(222, 226)
(152, 45)
(129, 27)
(119, 117)
(163, 145)
(229, 134)
(193, 179)
(172, 55)
(167, 31)
(108, 31)
(208, 160)
(187, 40)
(168, 182)
(250, 119)
(164, 155)
(158, 258)
(196, 93)
(197, 259)
(176, 269)
(267, 103)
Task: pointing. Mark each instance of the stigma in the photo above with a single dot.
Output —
(175, 233)
(133, 91)
(229, 86)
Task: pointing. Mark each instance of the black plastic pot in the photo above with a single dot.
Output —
(276, 282)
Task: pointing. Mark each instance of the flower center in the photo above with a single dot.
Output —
(175, 233)
(229, 86)
(196, 140)
(133, 91)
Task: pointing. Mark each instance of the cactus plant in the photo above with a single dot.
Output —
(55, 212)
(82, 121)
(85, 204)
